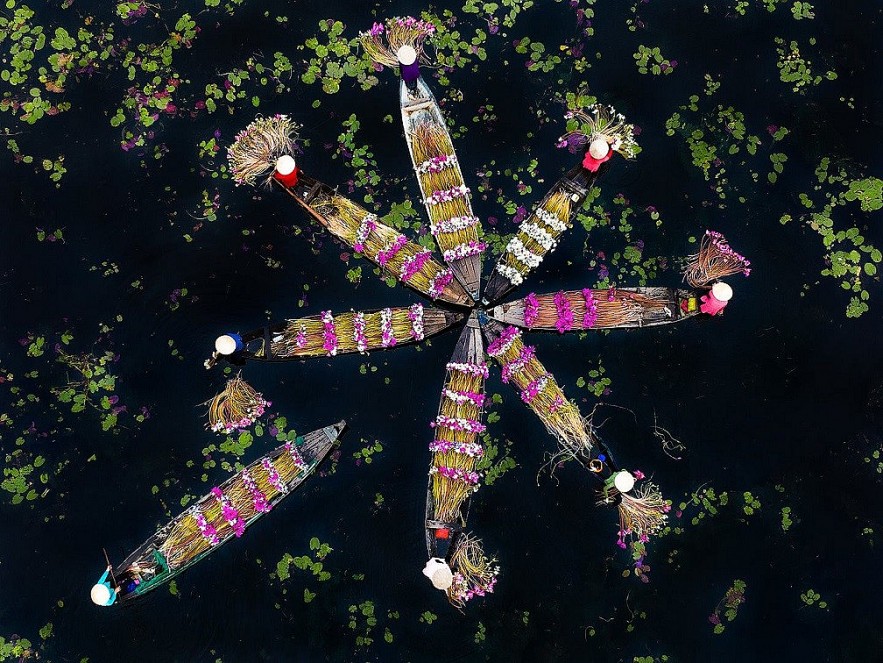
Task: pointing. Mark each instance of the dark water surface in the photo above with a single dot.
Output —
(778, 392)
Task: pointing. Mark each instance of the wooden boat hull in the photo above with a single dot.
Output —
(420, 106)
(629, 308)
(469, 349)
(308, 192)
(316, 446)
(576, 184)
(265, 344)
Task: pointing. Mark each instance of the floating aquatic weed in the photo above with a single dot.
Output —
(796, 70)
(849, 257)
(728, 606)
(650, 61)
(811, 597)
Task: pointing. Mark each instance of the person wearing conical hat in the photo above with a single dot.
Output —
(716, 299)
(439, 573)
(286, 172)
(103, 592)
(601, 148)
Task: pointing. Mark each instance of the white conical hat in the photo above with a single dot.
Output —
(406, 55)
(285, 164)
(599, 148)
(100, 594)
(624, 481)
(722, 292)
(225, 345)
(438, 571)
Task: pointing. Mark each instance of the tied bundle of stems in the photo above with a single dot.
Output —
(344, 218)
(236, 407)
(383, 41)
(600, 121)
(186, 541)
(557, 204)
(715, 260)
(305, 337)
(432, 141)
(642, 512)
(254, 153)
(448, 493)
(475, 574)
(625, 308)
(561, 417)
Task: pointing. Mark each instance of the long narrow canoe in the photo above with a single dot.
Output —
(363, 232)
(466, 367)
(452, 222)
(202, 529)
(540, 232)
(615, 308)
(318, 335)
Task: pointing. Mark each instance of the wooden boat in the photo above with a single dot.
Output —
(180, 544)
(442, 535)
(420, 112)
(612, 308)
(297, 338)
(343, 218)
(574, 187)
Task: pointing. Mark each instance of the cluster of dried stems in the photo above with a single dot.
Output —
(344, 217)
(432, 141)
(557, 203)
(561, 417)
(449, 494)
(256, 149)
(185, 540)
(625, 308)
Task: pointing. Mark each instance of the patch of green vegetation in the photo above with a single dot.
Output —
(596, 380)
(15, 649)
(315, 565)
(849, 257)
(428, 617)
(368, 450)
(650, 61)
(751, 504)
(722, 147)
(538, 59)
(729, 606)
(797, 70)
(786, 518)
(333, 57)
(875, 460)
(811, 597)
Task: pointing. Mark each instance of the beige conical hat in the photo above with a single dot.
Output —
(406, 55)
(624, 481)
(722, 292)
(225, 345)
(285, 164)
(599, 148)
(100, 594)
(439, 573)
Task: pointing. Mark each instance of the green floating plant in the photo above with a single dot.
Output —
(811, 597)
(797, 70)
(728, 607)
(850, 258)
(650, 61)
